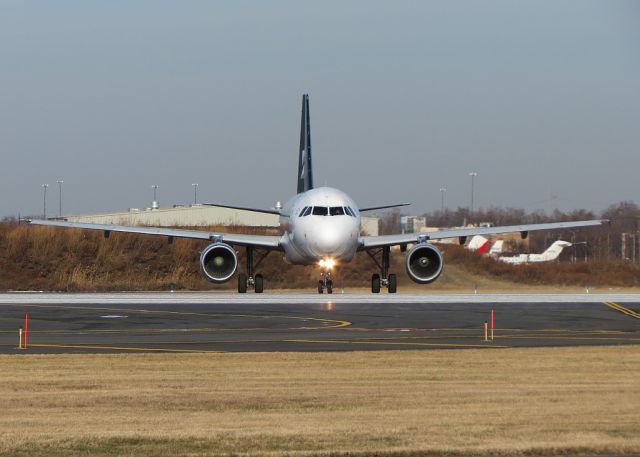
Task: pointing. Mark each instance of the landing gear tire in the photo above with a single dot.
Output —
(320, 287)
(248, 280)
(329, 286)
(375, 283)
(242, 283)
(384, 279)
(259, 284)
(393, 284)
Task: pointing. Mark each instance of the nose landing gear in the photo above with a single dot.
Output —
(248, 280)
(384, 279)
(325, 282)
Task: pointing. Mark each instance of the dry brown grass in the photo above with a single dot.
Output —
(615, 274)
(45, 258)
(472, 402)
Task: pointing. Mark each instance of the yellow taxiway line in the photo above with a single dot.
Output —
(117, 348)
(622, 309)
(334, 323)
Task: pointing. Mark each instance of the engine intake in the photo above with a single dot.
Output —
(424, 263)
(218, 262)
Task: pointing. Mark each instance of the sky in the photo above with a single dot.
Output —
(540, 98)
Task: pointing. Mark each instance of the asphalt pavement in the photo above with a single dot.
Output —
(201, 322)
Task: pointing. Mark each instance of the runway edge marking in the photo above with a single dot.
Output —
(396, 343)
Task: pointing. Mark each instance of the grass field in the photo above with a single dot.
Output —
(51, 259)
(463, 402)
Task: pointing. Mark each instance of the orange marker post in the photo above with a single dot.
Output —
(26, 329)
(491, 325)
(486, 333)
(20, 341)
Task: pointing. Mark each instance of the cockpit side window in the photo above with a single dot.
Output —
(302, 211)
(336, 211)
(320, 211)
(348, 211)
(308, 211)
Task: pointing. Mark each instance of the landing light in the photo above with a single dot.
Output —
(327, 263)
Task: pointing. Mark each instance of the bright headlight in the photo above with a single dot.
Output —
(327, 263)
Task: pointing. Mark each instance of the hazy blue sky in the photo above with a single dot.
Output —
(542, 99)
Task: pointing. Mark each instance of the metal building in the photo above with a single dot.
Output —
(195, 215)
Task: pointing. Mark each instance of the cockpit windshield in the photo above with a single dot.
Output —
(327, 211)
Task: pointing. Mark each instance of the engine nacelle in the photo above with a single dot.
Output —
(424, 263)
(218, 262)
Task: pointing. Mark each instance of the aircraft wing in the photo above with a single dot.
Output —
(367, 242)
(244, 208)
(373, 208)
(261, 241)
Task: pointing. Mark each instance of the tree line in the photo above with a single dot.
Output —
(618, 241)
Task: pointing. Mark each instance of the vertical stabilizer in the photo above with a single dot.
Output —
(496, 249)
(478, 244)
(305, 171)
(553, 251)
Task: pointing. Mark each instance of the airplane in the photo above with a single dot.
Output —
(496, 249)
(481, 245)
(318, 226)
(552, 253)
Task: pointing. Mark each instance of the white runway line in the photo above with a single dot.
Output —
(141, 298)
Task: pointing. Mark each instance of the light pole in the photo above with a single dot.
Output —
(575, 256)
(60, 182)
(155, 192)
(44, 200)
(442, 191)
(473, 175)
(195, 193)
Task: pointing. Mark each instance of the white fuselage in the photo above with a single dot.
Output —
(320, 224)
(552, 253)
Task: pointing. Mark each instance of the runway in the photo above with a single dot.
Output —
(220, 322)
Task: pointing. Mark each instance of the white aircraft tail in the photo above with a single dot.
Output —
(496, 249)
(478, 244)
(482, 245)
(552, 252)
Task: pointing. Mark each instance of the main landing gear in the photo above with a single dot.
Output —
(384, 279)
(325, 282)
(248, 280)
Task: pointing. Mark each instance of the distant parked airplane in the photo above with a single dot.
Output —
(319, 226)
(482, 245)
(552, 253)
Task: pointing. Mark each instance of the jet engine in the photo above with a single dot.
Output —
(424, 263)
(218, 262)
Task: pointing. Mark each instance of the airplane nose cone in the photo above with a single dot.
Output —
(328, 241)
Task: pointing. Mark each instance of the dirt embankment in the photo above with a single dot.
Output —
(42, 258)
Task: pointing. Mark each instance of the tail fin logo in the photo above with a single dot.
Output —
(303, 157)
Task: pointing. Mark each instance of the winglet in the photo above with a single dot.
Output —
(305, 171)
